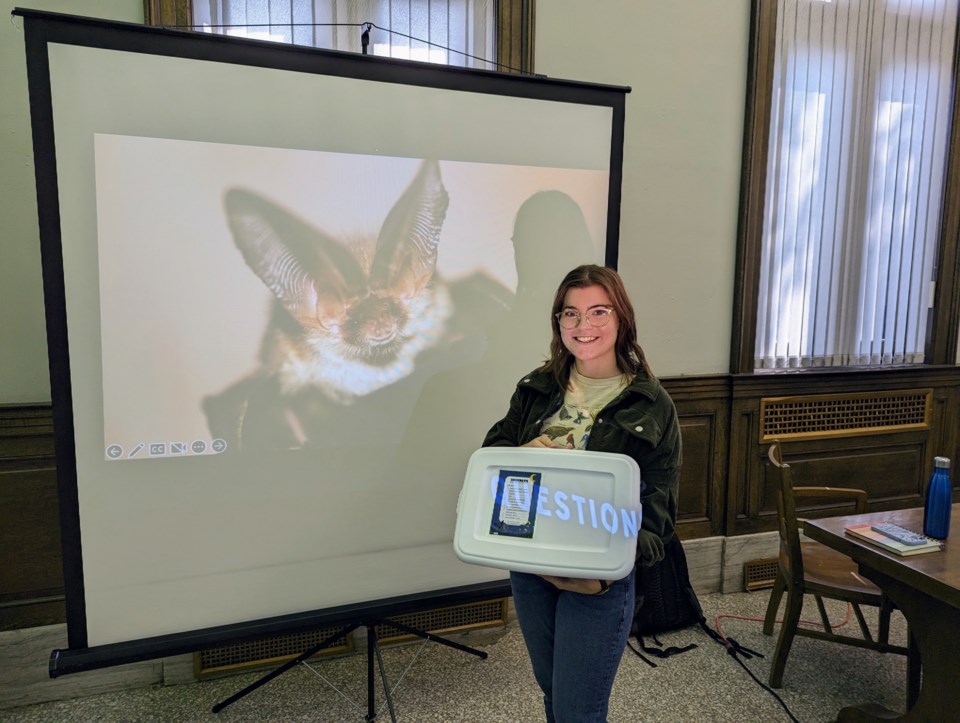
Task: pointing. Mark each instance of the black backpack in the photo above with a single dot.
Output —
(666, 601)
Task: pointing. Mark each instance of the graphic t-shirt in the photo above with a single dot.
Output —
(583, 401)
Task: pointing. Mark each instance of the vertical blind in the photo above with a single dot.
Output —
(452, 32)
(858, 139)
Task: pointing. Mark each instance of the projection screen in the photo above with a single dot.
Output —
(287, 292)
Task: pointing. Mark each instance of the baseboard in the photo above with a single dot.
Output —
(24, 677)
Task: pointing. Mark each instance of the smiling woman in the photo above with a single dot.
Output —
(595, 392)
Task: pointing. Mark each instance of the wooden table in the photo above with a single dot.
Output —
(926, 588)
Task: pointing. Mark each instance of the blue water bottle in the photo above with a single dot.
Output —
(939, 499)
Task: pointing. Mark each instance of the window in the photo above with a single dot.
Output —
(845, 219)
(483, 34)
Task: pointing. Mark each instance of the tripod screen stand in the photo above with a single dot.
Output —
(373, 651)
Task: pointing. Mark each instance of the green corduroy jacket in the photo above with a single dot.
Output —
(641, 422)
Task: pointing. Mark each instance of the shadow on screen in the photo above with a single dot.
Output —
(550, 237)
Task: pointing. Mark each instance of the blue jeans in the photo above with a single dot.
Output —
(575, 643)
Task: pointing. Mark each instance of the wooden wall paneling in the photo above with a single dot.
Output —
(31, 575)
(26, 437)
(890, 470)
(946, 412)
(952, 441)
(892, 466)
(703, 410)
(743, 466)
(696, 474)
(943, 405)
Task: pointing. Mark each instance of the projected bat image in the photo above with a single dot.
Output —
(318, 296)
(351, 316)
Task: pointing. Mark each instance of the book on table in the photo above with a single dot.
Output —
(864, 532)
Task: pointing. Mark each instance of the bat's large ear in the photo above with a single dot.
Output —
(310, 273)
(406, 255)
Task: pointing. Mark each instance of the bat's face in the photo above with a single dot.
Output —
(370, 304)
(375, 328)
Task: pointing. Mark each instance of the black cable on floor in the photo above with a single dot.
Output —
(734, 650)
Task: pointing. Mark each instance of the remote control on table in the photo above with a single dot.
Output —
(900, 534)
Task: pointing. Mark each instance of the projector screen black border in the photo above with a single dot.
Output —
(42, 28)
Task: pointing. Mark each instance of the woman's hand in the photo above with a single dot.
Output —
(649, 548)
(575, 584)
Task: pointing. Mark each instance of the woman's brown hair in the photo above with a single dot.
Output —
(630, 357)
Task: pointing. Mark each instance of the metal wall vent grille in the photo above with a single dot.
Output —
(269, 651)
(843, 415)
(758, 574)
(472, 616)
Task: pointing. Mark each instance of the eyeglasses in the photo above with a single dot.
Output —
(596, 316)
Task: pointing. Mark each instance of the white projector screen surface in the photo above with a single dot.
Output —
(294, 302)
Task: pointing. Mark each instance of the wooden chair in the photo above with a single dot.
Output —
(809, 567)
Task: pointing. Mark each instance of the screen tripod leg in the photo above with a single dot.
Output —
(373, 649)
(436, 639)
(285, 667)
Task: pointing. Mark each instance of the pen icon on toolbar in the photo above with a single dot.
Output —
(135, 451)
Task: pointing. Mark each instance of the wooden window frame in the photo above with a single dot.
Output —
(943, 323)
(514, 18)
